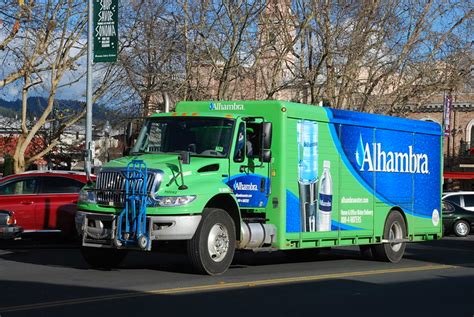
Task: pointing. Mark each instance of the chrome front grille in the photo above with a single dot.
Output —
(110, 186)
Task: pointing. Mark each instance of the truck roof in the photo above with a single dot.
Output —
(275, 108)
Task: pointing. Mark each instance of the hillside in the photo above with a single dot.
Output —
(36, 106)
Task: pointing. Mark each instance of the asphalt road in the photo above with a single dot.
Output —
(49, 278)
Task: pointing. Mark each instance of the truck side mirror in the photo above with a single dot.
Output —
(266, 156)
(265, 153)
(266, 135)
(185, 157)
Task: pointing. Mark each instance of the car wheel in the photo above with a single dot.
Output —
(461, 228)
(102, 258)
(395, 228)
(212, 248)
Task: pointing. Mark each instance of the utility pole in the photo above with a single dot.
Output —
(89, 146)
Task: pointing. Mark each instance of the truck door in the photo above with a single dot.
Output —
(249, 168)
(20, 196)
(57, 206)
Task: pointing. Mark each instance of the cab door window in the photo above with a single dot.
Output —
(240, 147)
(60, 185)
(254, 137)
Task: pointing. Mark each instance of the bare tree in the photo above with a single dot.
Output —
(280, 29)
(353, 55)
(152, 50)
(13, 16)
(221, 43)
(358, 55)
(48, 47)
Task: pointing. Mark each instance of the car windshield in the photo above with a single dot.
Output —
(198, 135)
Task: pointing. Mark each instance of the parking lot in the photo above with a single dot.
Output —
(47, 277)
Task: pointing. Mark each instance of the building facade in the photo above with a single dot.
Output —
(458, 145)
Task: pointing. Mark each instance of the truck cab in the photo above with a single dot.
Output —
(209, 170)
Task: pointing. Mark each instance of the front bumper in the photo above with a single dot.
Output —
(10, 232)
(99, 229)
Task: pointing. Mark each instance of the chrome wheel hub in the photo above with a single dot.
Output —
(218, 242)
(396, 233)
(461, 228)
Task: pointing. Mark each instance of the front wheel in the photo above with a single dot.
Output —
(212, 248)
(395, 229)
(461, 228)
(103, 258)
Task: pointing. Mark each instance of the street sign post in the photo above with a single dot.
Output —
(105, 30)
(102, 46)
(90, 38)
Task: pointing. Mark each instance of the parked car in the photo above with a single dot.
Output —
(465, 199)
(42, 201)
(456, 219)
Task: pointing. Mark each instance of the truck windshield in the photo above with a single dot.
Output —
(198, 135)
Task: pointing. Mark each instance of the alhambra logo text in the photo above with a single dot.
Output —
(242, 186)
(220, 106)
(373, 158)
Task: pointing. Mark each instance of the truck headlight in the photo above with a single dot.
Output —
(87, 196)
(171, 201)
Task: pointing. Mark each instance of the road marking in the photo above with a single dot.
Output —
(219, 286)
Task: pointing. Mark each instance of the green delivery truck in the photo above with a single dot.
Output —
(264, 176)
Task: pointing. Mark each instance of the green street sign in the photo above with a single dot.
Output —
(105, 30)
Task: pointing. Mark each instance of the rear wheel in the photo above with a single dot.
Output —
(461, 228)
(212, 248)
(103, 258)
(395, 229)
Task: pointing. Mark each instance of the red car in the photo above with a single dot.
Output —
(41, 201)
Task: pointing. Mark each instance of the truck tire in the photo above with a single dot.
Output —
(461, 228)
(395, 228)
(102, 258)
(212, 248)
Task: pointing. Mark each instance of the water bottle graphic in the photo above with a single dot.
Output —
(325, 199)
(307, 133)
